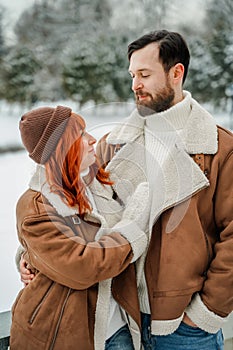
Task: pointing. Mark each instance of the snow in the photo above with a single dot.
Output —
(16, 169)
(15, 173)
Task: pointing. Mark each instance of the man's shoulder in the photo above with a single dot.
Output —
(104, 151)
(225, 141)
(225, 136)
(103, 138)
(223, 132)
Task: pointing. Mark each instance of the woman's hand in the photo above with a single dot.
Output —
(26, 274)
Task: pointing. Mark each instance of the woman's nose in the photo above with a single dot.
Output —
(91, 140)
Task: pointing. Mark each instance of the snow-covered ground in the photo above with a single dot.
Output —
(15, 172)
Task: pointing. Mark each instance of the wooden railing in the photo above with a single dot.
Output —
(5, 322)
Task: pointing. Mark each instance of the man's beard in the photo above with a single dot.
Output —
(162, 101)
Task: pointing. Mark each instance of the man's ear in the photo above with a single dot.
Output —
(177, 73)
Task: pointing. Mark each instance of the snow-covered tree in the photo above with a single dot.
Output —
(220, 46)
(201, 70)
(2, 41)
(87, 75)
(81, 45)
(18, 69)
(133, 18)
(52, 30)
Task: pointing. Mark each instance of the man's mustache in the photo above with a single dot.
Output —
(141, 93)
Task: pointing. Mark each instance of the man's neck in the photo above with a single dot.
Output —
(173, 118)
(179, 96)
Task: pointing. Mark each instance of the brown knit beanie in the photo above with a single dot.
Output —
(41, 130)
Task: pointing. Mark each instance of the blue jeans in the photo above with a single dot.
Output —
(184, 338)
(121, 340)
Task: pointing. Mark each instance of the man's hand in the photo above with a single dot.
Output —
(25, 273)
(188, 321)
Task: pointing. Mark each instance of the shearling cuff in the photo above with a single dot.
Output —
(137, 238)
(18, 255)
(203, 317)
(165, 327)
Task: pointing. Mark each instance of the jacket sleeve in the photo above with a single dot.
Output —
(215, 301)
(55, 251)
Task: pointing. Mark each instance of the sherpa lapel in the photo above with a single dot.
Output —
(179, 176)
(127, 168)
(173, 181)
(109, 211)
(38, 183)
(200, 134)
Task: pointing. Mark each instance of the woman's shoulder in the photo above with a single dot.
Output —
(31, 203)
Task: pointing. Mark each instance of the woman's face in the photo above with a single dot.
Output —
(89, 155)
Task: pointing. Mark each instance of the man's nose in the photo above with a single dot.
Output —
(136, 84)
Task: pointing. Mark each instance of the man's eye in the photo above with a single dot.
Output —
(83, 133)
(145, 75)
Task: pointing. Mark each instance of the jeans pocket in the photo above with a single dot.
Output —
(121, 340)
(187, 337)
(187, 330)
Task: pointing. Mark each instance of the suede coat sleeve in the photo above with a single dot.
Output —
(215, 295)
(60, 253)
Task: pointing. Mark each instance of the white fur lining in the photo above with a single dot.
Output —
(38, 183)
(137, 238)
(101, 314)
(165, 327)
(199, 134)
(134, 330)
(203, 317)
(19, 252)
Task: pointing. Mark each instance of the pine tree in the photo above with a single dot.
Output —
(2, 41)
(220, 45)
(18, 69)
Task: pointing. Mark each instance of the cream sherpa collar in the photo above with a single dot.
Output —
(199, 134)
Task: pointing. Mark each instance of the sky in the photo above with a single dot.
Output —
(15, 7)
(13, 10)
(183, 11)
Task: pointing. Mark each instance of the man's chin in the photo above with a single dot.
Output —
(144, 110)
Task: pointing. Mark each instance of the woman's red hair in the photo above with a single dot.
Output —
(63, 167)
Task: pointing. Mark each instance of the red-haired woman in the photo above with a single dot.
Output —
(79, 241)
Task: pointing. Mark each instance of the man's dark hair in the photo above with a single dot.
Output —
(172, 48)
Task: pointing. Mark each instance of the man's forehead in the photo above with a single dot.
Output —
(145, 58)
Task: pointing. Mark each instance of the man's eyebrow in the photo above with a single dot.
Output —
(141, 70)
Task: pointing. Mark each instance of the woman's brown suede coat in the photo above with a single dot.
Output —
(57, 309)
